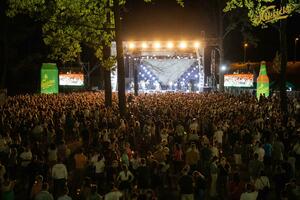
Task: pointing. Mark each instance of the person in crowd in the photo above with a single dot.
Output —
(143, 175)
(214, 177)
(236, 187)
(7, 188)
(125, 178)
(262, 185)
(255, 167)
(81, 161)
(37, 186)
(192, 156)
(199, 185)
(250, 193)
(65, 194)
(44, 193)
(94, 194)
(59, 176)
(186, 184)
(114, 194)
(41, 132)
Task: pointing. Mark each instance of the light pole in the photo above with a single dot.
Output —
(245, 51)
(295, 50)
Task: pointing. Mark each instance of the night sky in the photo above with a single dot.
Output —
(22, 48)
(164, 20)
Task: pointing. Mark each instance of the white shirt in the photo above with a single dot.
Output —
(123, 177)
(261, 153)
(249, 195)
(214, 151)
(59, 171)
(115, 195)
(94, 159)
(219, 136)
(99, 165)
(262, 182)
(26, 158)
(194, 126)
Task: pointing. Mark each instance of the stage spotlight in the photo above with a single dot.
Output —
(131, 46)
(144, 45)
(157, 45)
(182, 45)
(170, 45)
(197, 45)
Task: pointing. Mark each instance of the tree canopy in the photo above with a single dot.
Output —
(67, 25)
(261, 12)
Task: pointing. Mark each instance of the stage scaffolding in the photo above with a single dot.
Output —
(144, 55)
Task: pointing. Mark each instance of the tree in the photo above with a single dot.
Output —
(262, 13)
(68, 26)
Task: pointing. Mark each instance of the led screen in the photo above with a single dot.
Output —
(71, 79)
(238, 80)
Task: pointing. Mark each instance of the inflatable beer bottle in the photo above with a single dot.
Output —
(262, 81)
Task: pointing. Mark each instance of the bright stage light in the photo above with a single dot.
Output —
(197, 45)
(170, 45)
(144, 45)
(182, 45)
(131, 45)
(157, 45)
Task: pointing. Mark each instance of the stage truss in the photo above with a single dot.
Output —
(153, 66)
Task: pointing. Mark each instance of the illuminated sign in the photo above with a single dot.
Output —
(272, 14)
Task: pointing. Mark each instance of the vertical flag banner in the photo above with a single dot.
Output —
(263, 86)
(49, 78)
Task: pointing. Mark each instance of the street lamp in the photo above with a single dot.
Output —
(245, 51)
(295, 55)
(223, 68)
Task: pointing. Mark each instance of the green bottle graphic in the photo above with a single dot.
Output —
(263, 81)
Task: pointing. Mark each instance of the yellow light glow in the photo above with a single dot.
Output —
(144, 45)
(170, 45)
(245, 45)
(157, 45)
(182, 45)
(197, 45)
(131, 45)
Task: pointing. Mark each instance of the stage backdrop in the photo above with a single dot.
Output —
(168, 70)
(49, 78)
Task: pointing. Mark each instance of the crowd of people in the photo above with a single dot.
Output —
(168, 146)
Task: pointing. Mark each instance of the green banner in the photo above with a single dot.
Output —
(263, 86)
(49, 78)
